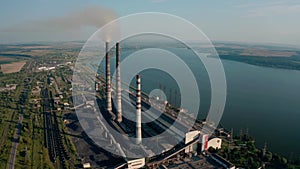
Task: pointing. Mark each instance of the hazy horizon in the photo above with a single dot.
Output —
(232, 20)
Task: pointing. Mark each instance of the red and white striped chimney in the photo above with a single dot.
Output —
(118, 85)
(138, 111)
(107, 68)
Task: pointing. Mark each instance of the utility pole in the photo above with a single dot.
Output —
(231, 135)
(160, 93)
(175, 98)
(247, 133)
(264, 150)
(241, 134)
(171, 96)
(231, 139)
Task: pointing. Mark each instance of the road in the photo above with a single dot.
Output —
(13, 152)
(22, 100)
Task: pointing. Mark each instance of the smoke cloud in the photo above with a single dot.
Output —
(90, 17)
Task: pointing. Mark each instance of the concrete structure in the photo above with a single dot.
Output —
(138, 111)
(86, 165)
(9, 87)
(111, 138)
(215, 143)
(66, 106)
(197, 162)
(204, 142)
(137, 163)
(118, 84)
(190, 136)
(46, 68)
(96, 86)
(223, 162)
(107, 68)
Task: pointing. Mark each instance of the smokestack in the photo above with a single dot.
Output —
(138, 111)
(118, 85)
(108, 89)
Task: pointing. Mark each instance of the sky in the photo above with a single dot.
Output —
(263, 21)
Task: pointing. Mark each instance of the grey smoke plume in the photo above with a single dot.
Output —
(92, 16)
(95, 17)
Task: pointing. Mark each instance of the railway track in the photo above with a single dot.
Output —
(53, 138)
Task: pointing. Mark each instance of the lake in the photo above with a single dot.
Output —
(264, 101)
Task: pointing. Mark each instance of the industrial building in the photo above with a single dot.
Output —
(193, 143)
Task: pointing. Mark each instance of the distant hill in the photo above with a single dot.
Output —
(261, 55)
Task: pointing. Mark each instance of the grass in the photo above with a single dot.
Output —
(9, 115)
(31, 152)
(7, 144)
(37, 155)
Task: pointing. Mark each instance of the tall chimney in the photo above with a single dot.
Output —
(118, 85)
(138, 111)
(108, 89)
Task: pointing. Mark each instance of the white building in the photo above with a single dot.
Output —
(190, 136)
(215, 143)
(137, 163)
(86, 165)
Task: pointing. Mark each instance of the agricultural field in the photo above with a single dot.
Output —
(12, 67)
